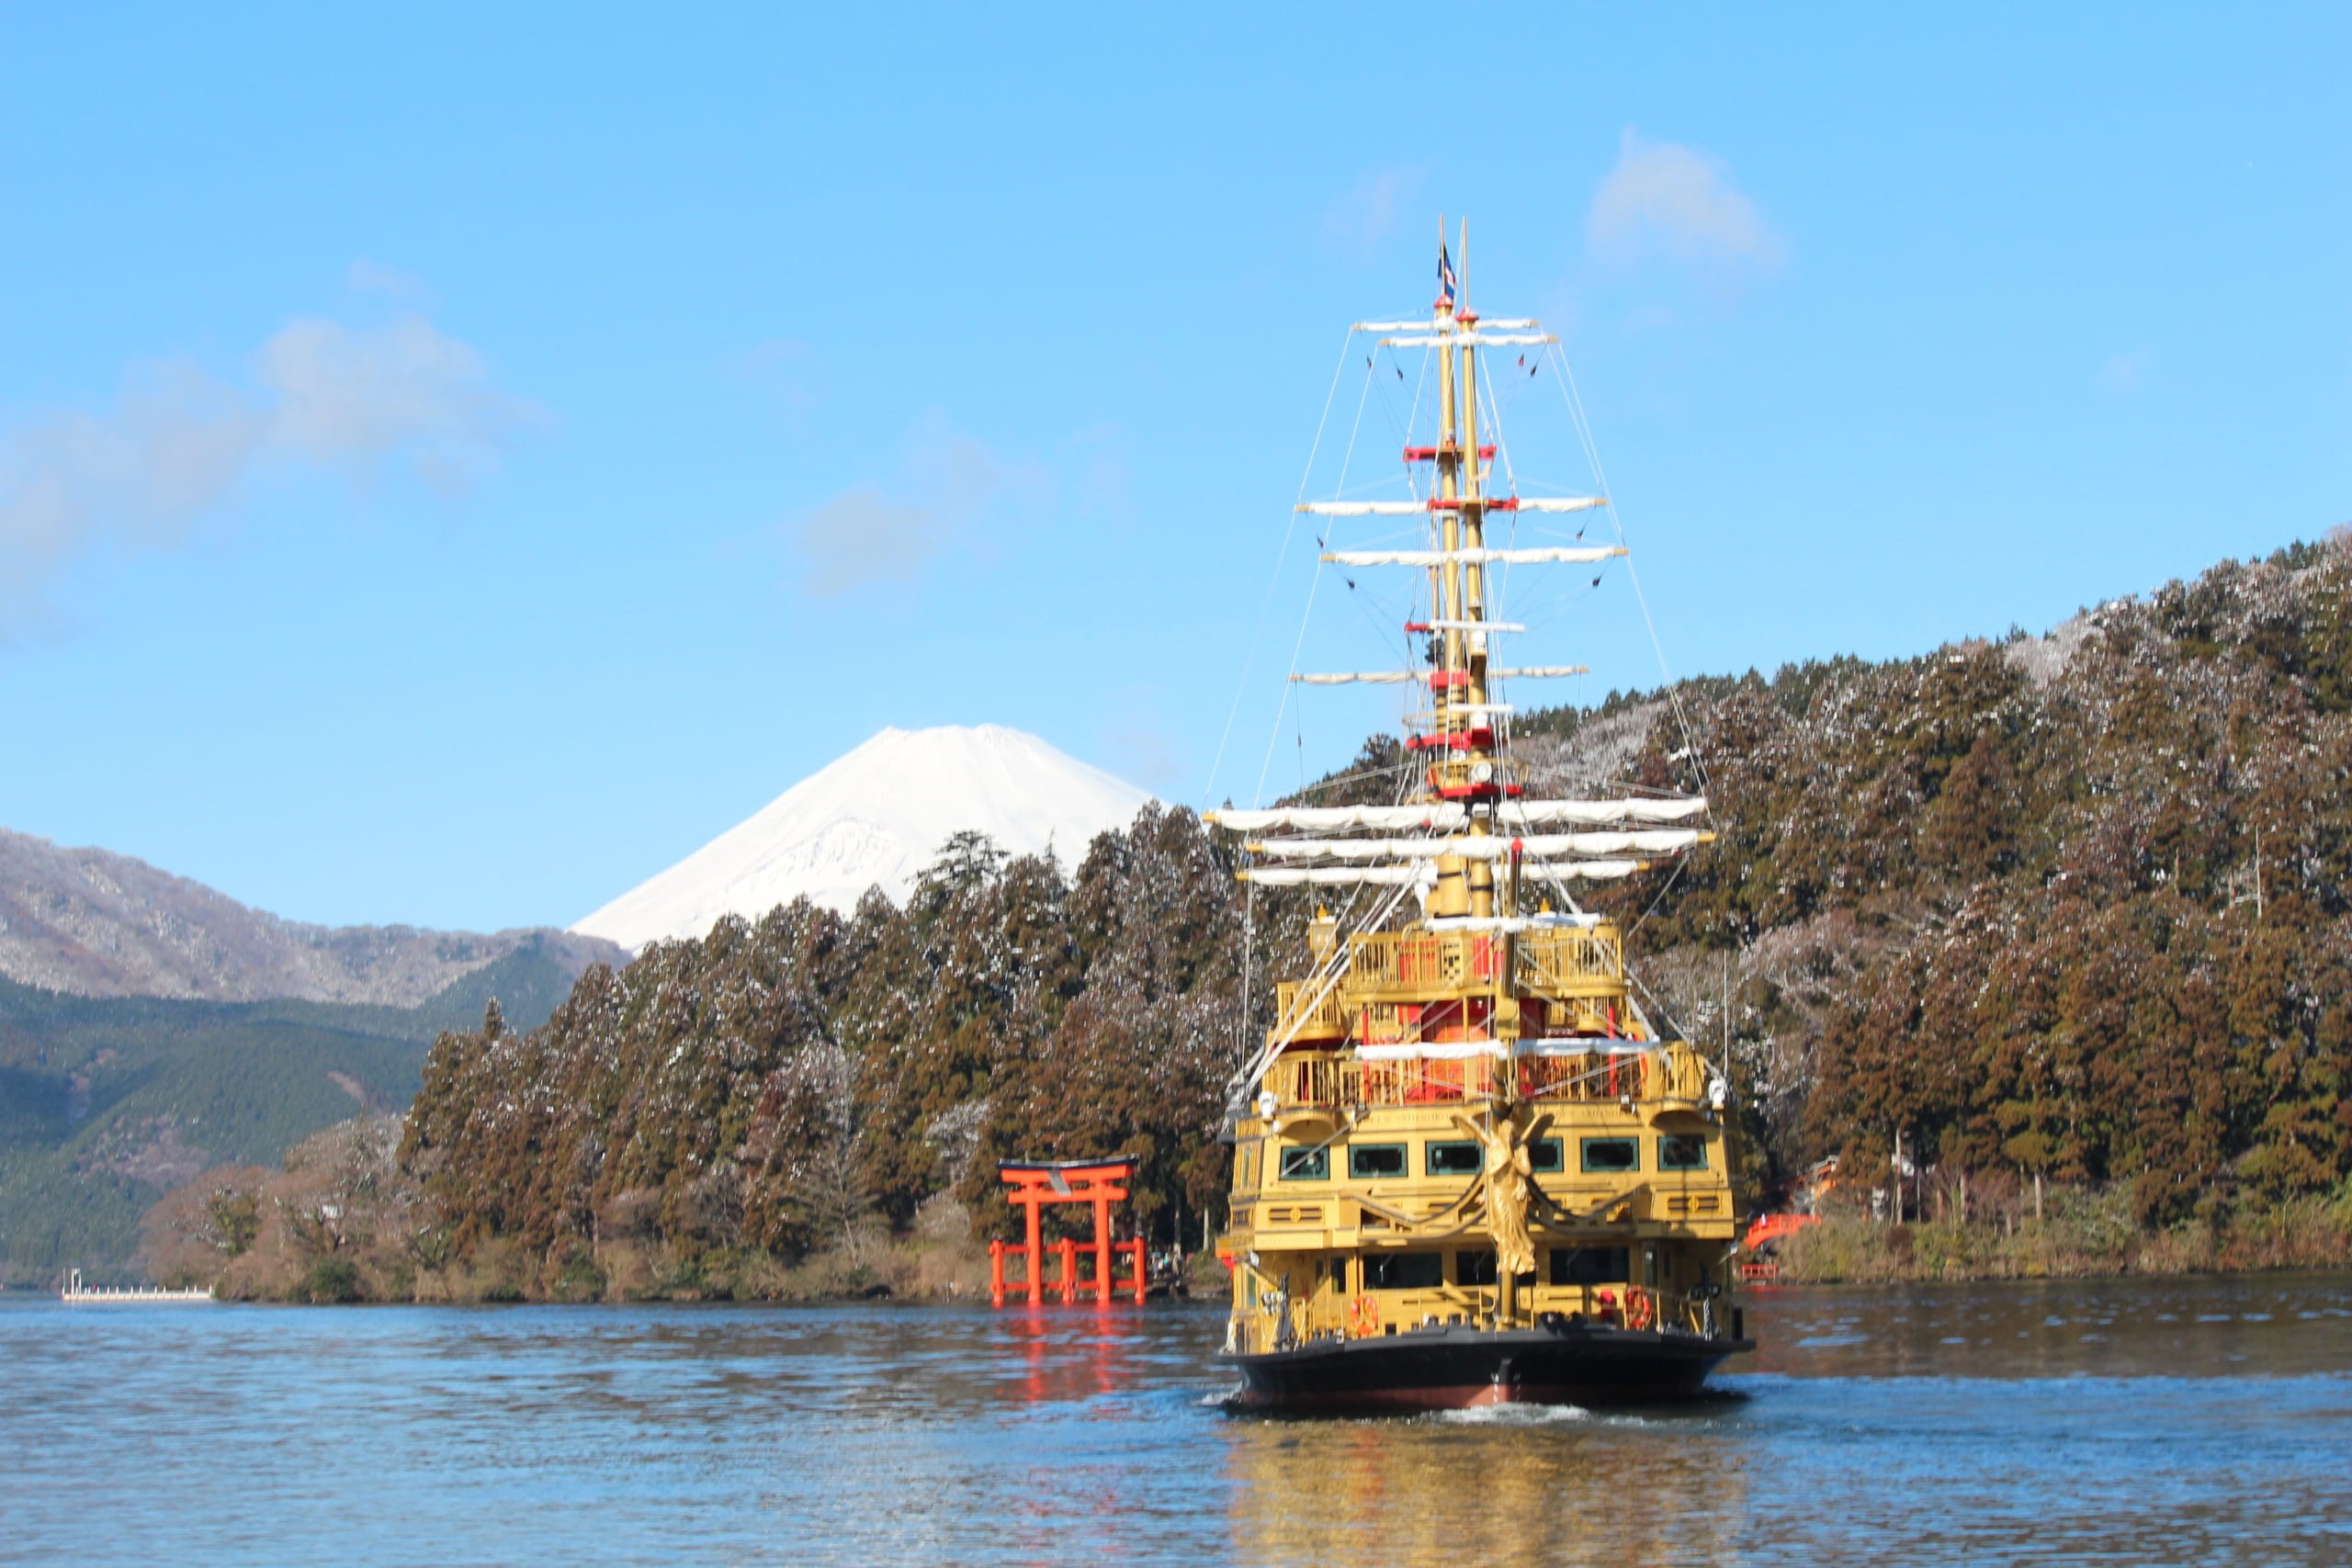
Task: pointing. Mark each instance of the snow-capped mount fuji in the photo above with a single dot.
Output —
(877, 818)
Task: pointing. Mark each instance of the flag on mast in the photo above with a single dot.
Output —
(1445, 278)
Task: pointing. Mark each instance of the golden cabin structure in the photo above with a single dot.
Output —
(1356, 1205)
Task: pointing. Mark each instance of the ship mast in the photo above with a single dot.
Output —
(1466, 838)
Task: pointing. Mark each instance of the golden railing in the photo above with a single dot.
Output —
(1677, 1074)
(1327, 1082)
(1325, 1020)
(1411, 966)
(1571, 962)
(1376, 1313)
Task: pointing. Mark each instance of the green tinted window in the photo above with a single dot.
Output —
(1611, 1155)
(1588, 1266)
(1404, 1270)
(1460, 1158)
(1545, 1154)
(1675, 1152)
(1305, 1165)
(1370, 1161)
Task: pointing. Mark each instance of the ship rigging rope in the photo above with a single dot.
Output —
(1274, 579)
(1323, 983)
(1307, 617)
(1502, 594)
(1575, 400)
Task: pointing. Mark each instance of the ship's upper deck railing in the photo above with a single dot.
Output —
(1387, 969)
(1674, 1077)
(1408, 965)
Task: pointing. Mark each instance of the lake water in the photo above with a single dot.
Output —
(2127, 1422)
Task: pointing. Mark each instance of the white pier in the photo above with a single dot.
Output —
(76, 1293)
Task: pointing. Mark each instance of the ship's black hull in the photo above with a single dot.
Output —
(1455, 1368)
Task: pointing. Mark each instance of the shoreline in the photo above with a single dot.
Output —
(2087, 1239)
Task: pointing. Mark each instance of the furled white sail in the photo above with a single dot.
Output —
(1473, 339)
(1543, 846)
(1409, 875)
(1511, 925)
(1451, 504)
(1399, 677)
(1333, 818)
(1561, 504)
(1473, 626)
(1541, 812)
(1432, 1051)
(1496, 324)
(1450, 814)
(1547, 555)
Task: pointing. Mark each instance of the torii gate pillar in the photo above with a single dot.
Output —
(1098, 1182)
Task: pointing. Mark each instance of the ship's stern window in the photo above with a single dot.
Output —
(1588, 1266)
(1546, 1156)
(1474, 1267)
(1452, 1158)
(1369, 1162)
(1307, 1165)
(1404, 1270)
(1611, 1155)
(1680, 1152)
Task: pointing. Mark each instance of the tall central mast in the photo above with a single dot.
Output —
(1463, 733)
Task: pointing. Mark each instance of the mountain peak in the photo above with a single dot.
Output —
(875, 817)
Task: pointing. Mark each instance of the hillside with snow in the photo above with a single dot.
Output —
(92, 923)
(875, 817)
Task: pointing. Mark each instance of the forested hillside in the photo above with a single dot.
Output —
(105, 1103)
(775, 1086)
(2074, 907)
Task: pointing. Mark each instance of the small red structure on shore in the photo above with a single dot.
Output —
(1101, 1182)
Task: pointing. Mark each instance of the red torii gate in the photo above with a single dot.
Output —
(1101, 1182)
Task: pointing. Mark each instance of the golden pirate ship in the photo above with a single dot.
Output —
(1468, 1167)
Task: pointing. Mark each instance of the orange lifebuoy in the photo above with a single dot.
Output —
(1363, 1318)
(1637, 1309)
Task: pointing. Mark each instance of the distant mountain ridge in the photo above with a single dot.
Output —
(107, 1102)
(875, 817)
(89, 922)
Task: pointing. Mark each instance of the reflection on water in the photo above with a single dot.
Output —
(1505, 1485)
(2129, 1421)
(2117, 1421)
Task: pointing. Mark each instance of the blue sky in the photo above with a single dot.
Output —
(427, 443)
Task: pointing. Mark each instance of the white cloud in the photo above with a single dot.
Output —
(405, 393)
(364, 277)
(788, 370)
(948, 485)
(178, 441)
(861, 536)
(2122, 373)
(1359, 218)
(1107, 484)
(1663, 199)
